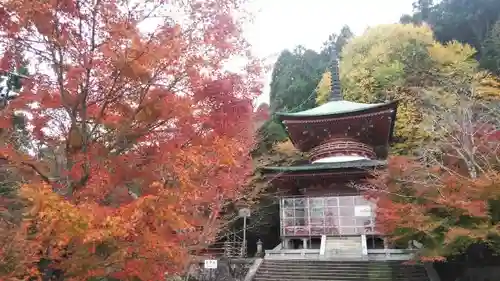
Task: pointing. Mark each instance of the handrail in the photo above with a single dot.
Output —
(278, 247)
(293, 251)
(370, 251)
(390, 251)
(225, 249)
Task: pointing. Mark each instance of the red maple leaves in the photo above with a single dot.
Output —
(446, 205)
(141, 136)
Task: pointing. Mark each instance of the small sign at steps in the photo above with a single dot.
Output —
(210, 264)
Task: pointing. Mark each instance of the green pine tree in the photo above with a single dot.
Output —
(490, 51)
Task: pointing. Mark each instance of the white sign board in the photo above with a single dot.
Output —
(244, 213)
(363, 211)
(210, 264)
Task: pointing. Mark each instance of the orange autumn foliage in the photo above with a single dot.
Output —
(446, 206)
(142, 134)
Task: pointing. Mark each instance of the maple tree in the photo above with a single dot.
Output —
(139, 133)
(448, 199)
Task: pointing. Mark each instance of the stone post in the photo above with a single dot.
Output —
(386, 246)
(259, 249)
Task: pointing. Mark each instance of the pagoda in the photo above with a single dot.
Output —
(320, 208)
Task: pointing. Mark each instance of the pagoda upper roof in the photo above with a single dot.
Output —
(371, 124)
(333, 108)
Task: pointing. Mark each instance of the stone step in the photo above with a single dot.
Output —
(353, 263)
(346, 265)
(323, 269)
(301, 270)
(336, 278)
(340, 262)
(313, 276)
(323, 275)
(356, 239)
(343, 241)
(339, 269)
(343, 246)
(356, 251)
(340, 273)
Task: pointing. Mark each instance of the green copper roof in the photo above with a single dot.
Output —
(333, 107)
(327, 166)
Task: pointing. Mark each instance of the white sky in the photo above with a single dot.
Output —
(281, 24)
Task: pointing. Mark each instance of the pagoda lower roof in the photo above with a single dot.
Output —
(324, 167)
(333, 108)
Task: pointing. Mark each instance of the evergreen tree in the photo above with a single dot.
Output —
(422, 10)
(294, 78)
(336, 42)
(11, 84)
(490, 50)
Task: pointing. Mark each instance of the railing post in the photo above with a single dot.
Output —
(322, 247)
(364, 245)
(386, 246)
(227, 249)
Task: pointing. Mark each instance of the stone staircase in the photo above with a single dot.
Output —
(302, 270)
(343, 247)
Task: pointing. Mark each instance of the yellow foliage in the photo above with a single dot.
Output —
(486, 86)
(408, 127)
(404, 62)
(451, 53)
(51, 210)
(324, 88)
(282, 153)
(286, 148)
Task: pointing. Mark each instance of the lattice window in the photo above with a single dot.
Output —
(312, 216)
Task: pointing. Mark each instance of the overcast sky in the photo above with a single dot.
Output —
(281, 24)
